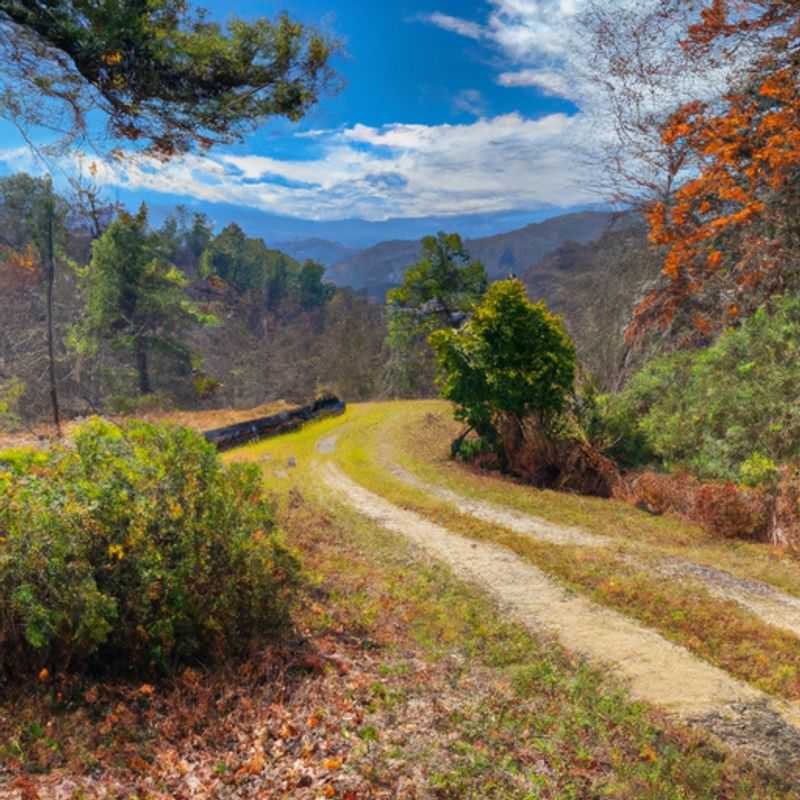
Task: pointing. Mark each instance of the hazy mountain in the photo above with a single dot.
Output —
(382, 266)
(322, 251)
(353, 233)
(594, 287)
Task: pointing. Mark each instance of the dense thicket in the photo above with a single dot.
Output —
(727, 411)
(134, 550)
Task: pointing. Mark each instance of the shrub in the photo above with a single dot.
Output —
(710, 410)
(476, 450)
(616, 430)
(659, 493)
(721, 508)
(759, 470)
(11, 392)
(785, 529)
(136, 549)
(512, 359)
(728, 510)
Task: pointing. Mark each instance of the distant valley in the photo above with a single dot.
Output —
(322, 251)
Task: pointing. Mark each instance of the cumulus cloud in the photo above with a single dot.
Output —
(551, 82)
(376, 173)
(537, 37)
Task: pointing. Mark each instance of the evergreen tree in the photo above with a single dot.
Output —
(135, 298)
(437, 293)
(164, 75)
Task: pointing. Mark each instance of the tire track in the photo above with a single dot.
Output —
(655, 670)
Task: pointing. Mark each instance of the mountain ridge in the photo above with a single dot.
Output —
(381, 267)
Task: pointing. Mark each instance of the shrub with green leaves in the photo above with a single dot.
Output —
(11, 392)
(136, 549)
(730, 411)
(513, 358)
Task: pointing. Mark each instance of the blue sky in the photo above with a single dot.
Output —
(449, 108)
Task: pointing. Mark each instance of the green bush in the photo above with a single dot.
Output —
(512, 359)
(712, 410)
(135, 550)
(759, 470)
(617, 432)
(11, 392)
(470, 450)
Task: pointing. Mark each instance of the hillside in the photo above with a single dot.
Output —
(382, 266)
(594, 286)
(316, 249)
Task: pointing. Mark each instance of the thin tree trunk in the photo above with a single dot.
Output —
(97, 231)
(142, 366)
(51, 279)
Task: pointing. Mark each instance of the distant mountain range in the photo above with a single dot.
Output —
(382, 266)
(352, 233)
(322, 251)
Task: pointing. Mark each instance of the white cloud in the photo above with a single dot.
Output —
(551, 82)
(393, 171)
(523, 29)
(454, 24)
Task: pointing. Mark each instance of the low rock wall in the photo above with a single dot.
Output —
(244, 432)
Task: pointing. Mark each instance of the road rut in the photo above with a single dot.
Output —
(656, 670)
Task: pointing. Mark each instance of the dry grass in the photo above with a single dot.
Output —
(40, 434)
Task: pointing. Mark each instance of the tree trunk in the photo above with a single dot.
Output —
(142, 366)
(51, 279)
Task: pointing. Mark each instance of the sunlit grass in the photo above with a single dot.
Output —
(541, 721)
(417, 437)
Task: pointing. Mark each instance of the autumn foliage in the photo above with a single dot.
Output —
(732, 228)
(19, 269)
(722, 508)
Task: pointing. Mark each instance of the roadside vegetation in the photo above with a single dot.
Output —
(136, 552)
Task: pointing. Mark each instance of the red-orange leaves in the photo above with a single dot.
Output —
(748, 149)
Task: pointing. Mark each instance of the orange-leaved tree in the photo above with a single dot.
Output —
(732, 231)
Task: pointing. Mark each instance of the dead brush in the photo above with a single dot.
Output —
(784, 529)
(722, 508)
(565, 461)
